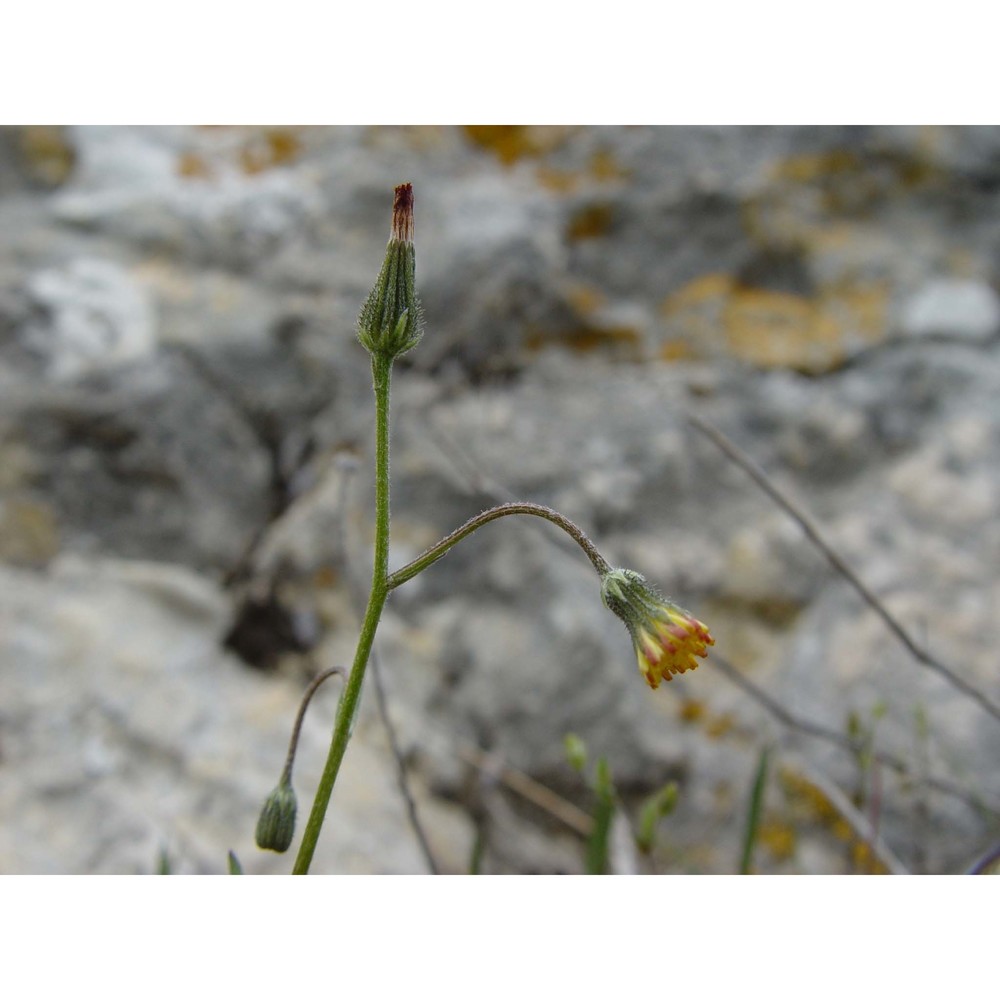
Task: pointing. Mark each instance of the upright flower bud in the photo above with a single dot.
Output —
(276, 826)
(666, 638)
(391, 321)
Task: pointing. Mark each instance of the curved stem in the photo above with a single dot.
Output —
(350, 698)
(435, 552)
(293, 743)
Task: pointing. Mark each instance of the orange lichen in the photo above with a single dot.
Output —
(778, 838)
(618, 339)
(676, 350)
(193, 167)
(560, 181)
(691, 711)
(47, 153)
(704, 288)
(780, 330)
(718, 726)
(604, 167)
(807, 168)
(590, 222)
(865, 860)
(585, 299)
(273, 147)
(777, 329)
(510, 143)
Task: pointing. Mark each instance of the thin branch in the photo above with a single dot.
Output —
(858, 822)
(529, 789)
(837, 738)
(983, 864)
(348, 468)
(918, 652)
(402, 778)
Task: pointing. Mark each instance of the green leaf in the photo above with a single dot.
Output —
(754, 811)
(604, 811)
(656, 807)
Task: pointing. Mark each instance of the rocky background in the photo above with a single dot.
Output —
(186, 507)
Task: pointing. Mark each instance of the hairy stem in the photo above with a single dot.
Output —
(293, 743)
(435, 552)
(348, 708)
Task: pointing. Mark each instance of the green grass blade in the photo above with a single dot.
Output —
(754, 812)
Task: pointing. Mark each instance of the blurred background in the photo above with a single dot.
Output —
(186, 432)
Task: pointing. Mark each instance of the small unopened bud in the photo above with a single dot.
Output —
(576, 751)
(276, 826)
(391, 321)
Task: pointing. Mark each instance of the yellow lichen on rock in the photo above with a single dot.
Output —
(510, 143)
(774, 329)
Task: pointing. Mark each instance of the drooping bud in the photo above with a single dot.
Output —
(391, 321)
(276, 826)
(666, 637)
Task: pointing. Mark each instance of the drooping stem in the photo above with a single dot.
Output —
(293, 743)
(435, 552)
(351, 696)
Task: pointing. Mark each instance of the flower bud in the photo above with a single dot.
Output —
(276, 826)
(576, 751)
(666, 638)
(659, 805)
(391, 321)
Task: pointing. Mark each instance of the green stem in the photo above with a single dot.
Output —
(293, 743)
(350, 698)
(435, 552)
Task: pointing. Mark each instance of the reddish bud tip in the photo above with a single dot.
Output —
(402, 214)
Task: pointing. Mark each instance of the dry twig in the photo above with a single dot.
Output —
(837, 738)
(764, 481)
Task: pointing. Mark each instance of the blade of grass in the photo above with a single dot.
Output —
(756, 807)
(598, 844)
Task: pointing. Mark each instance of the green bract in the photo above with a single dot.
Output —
(391, 321)
(276, 826)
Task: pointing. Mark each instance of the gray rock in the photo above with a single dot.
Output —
(90, 315)
(132, 733)
(949, 307)
(182, 385)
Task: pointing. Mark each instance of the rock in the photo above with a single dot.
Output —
(90, 315)
(152, 463)
(949, 307)
(131, 733)
(181, 385)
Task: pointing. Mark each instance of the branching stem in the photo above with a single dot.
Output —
(347, 710)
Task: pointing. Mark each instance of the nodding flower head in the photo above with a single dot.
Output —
(276, 825)
(391, 321)
(666, 638)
